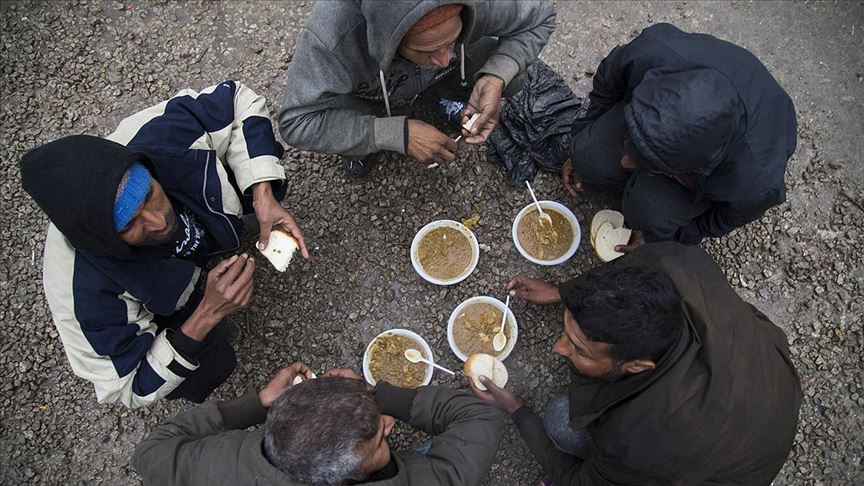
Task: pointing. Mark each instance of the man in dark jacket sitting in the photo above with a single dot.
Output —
(693, 130)
(331, 430)
(677, 380)
(134, 218)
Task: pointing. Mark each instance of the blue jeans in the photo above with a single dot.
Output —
(556, 419)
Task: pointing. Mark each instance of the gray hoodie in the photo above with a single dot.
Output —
(345, 64)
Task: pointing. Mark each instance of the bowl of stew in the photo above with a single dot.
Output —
(544, 244)
(444, 252)
(475, 322)
(384, 359)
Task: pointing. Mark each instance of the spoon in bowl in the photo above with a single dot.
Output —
(414, 356)
(500, 340)
(544, 218)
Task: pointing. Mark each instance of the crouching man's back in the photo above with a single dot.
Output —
(329, 431)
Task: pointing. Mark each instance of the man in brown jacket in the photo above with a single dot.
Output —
(326, 431)
(678, 380)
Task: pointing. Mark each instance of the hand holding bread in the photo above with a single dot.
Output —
(486, 379)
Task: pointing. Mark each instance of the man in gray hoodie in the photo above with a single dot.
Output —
(354, 58)
(327, 431)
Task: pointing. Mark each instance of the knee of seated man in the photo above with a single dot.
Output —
(556, 415)
(651, 214)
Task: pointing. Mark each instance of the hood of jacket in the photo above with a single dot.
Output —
(387, 21)
(685, 122)
(74, 180)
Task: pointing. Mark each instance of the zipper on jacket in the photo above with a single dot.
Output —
(207, 203)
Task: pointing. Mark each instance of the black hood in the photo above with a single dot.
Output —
(75, 180)
(685, 122)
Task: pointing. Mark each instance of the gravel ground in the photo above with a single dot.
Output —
(80, 67)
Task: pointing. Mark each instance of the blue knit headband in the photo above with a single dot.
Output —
(131, 195)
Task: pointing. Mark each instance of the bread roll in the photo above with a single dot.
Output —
(300, 379)
(486, 365)
(607, 239)
(471, 121)
(603, 216)
(607, 232)
(280, 249)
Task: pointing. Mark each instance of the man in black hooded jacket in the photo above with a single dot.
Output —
(134, 217)
(693, 130)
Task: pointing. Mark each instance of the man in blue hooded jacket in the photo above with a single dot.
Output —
(135, 217)
(694, 131)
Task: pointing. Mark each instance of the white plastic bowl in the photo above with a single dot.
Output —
(514, 333)
(427, 351)
(445, 223)
(565, 211)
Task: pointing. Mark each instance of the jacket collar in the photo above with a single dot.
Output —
(590, 399)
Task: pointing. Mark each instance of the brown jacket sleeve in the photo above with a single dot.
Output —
(465, 431)
(180, 450)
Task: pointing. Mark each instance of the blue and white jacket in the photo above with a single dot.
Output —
(208, 148)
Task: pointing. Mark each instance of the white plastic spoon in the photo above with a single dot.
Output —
(500, 340)
(544, 218)
(414, 356)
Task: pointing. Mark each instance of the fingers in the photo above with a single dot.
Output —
(446, 150)
(626, 248)
(571, 182)
(490, 386)
(488, 110)
(295, 231)
(245, 277)
(233, 270)
(485, 396)
(222, 266)
(450, 145)
(265, 226)
(301, 240)
(244, 295)
(516, 282)
(445, 155)
(482, 129)
(466, 115)
(637, 239)
(300, 368)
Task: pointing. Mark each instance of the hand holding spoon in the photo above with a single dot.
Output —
(500, 340)
(414, 356)
(544, 218)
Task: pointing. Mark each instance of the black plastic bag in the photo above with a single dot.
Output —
(535, 126)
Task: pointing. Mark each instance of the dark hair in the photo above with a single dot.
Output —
(315, 430)
(635, 309)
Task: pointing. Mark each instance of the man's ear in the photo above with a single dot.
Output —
(638, 366)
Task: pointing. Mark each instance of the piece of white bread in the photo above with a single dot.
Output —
(486, 365)
(602, 216)
(280, 249)
(471, 121)
(608, 237)
(300, 379)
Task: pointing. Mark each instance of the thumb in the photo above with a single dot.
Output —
(490, 385)
(485, 115)
(263, 235)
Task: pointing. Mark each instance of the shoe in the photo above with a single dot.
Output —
(360, 167)
(451, 110)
